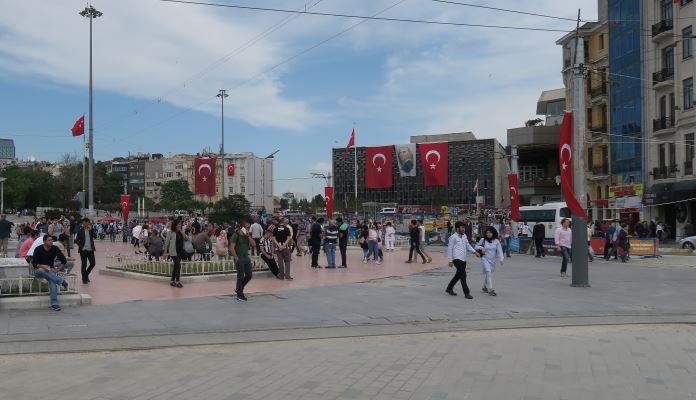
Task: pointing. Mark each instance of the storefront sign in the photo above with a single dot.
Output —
(643, 247)
(626, 190)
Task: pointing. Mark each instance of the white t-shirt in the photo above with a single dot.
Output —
(422, 233)
(390, 231)
(525, 230)
(137, 230)
(256, 230)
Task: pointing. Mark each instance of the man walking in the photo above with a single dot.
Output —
(282, 239)
(85, 248)
(256, 234)
(457, 249)
(240, 245)
(5, 232)
(539, 233)
(342, 241)
(43, 262)
(414, 236)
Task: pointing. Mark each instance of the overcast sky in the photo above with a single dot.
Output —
(158, 66)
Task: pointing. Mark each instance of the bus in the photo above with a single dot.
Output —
(549, 214)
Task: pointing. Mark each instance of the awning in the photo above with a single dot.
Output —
(671, 192)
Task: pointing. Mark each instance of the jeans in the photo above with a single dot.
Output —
(112, 237)
(372, 250)
(343, 247)
(565, 252)
(460, 275)
(53, 281)
(243, 274)
(67, 267)
(84, 257)
(415, 246)
(330, 250)
(505, 242)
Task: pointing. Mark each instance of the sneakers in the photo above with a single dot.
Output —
(179, 285)
(172, 284)
(364, 260)
(64, 285)
(451, 293)
(342, 266)
(55, 307)
(492, 293)
(378, 263)
(289, 278)
(408, 262)
(485, 290)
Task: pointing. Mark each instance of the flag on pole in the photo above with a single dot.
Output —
(565, 159)
(351, 143)
(476, 186)
(328, 198)
(125, 207)
(79, 128)
(513, 182)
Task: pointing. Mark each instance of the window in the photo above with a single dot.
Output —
(687, 42)
(590, 159)
(601, 41)
(668, 58)
(688, 154)
(666, 10)
(672, 157)
(662, 156)
(688, 93)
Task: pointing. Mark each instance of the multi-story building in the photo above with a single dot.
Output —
(470, 160)
(670, 115)
(7, 151)
(160, 170)
(597, 144)
(537, 151)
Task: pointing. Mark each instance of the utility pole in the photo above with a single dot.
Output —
(222, 94)
(579, 247)
(513, 159)
(91, 13)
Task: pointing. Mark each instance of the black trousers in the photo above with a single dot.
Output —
(243, 274)
(271, 263)
(415, 246)
(316, 249)
(539, 245)
(343, 248)
(84, 257)
(608, 249)
(460, 275)
(176, 271)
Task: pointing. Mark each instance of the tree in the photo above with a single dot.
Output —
(233, 209)
(533, 122)
(176, 195)
(304, 206)
(284, 203)
(28, 187)
(318, 202)
(294, 203)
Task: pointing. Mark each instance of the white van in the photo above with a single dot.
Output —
(388, 210)
(549, 214)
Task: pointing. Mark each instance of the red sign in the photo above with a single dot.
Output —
(125, 206)
(378, 167)
(513, 182)
(328, 198)
(435, 163)
(204, 172)
(230, 170)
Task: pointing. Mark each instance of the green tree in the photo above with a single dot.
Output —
(304, 206)
(294, 204)
(231, 209)
(284, 203)
(318, 202)
(28, 187)
(176, 195)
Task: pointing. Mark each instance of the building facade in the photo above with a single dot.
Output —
(7, 151)
(469, 160)
(670, 115)
(537, 151)
(160, 170)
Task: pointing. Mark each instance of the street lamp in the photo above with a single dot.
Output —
(2, 194)
(222, 94)
(91, 13)
(263, 176)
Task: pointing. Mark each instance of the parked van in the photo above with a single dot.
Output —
(550, 214)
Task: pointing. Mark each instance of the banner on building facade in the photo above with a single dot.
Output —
(435, 163)
(513, 182)
(230, 170)
(125, 207)
(378, 167)
(328, 198)
(406, 159)
(204, 173)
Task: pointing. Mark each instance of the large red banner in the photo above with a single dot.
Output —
(230, 169)
(328, 197)
(125, 206)
(514, 184)
(565, 159)
(378, 167)
(204, 173)
(435, 163)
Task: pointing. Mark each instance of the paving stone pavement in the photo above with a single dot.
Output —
(607, 362)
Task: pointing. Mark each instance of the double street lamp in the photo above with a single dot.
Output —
(91, 13)
(222, 94)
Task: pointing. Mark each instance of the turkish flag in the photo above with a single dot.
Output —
(230, 170)
(435, 162)
(565, 159)
(513, 182)
(79, 128)
(351, 143)
(125, 206)
(328, 197)
(204, 172)
(378, 167)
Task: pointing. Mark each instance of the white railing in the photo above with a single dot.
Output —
(188, 268)
(32, 286)
(398, 243)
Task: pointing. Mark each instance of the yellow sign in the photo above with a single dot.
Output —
(635, 190)
(643, 247)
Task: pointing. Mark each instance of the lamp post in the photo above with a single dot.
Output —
(222, 94)
(263, 176)
(91, 13)
(2, 195)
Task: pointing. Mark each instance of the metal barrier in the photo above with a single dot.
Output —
(32, 286)
(398, 243)
(188, 268)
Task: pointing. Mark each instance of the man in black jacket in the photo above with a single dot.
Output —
(85, 246)
(539, 233)
(43, 262)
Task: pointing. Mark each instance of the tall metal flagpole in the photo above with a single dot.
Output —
(355, 170)
(91, 13)
(222, 94)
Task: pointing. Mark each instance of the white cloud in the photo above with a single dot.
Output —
(321, 167)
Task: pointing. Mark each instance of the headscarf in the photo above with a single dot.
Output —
(493, 231)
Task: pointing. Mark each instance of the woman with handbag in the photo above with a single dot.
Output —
(490, 250)
(174, 248)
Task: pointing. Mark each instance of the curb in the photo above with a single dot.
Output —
(184, 279)
(41, 302)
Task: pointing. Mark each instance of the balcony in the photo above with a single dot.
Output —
(663, 75)
(665, 172)
(663, 123)
(600, 170)
(688, 167)
(661, 27)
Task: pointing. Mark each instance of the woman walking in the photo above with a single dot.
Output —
(372, 238)
(175, 250)
(563, 240)
(490, 251)
(221, 246)
(362, 240)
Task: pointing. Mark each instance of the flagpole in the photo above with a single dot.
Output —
(355, 170)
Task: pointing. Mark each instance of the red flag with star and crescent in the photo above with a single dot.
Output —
(378, 167)
(565, 159)
(79, 128)
(513, 182)
(435, 163)
(351, 143)
(125, 206)
(328, 199)
(204, 173)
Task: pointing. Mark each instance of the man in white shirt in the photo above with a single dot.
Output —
(256, 234)
(457, 249)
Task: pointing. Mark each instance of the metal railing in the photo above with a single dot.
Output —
(663, 123)
(665, 74)
(662, 26)
(32, 286)
(188, 268)
(398, 243)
